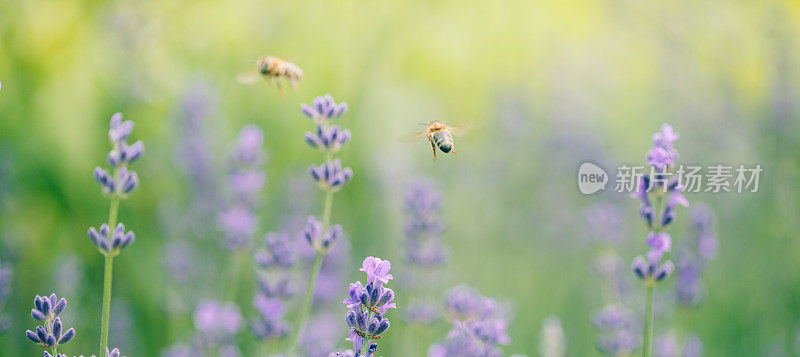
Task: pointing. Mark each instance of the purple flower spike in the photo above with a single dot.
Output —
(110, 243)
(331, 139)
(377, 269)
(119, 130)
(323, 108)
(367, 306)
(476, 333)
(330, 175)
(49, 334)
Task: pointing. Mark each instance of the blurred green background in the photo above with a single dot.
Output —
(548, 84)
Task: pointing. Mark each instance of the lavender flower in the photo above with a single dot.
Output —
(478, 328)
(275, 260)
(110, 243)
(245, 180)
(368, 306)
(423, 228)
(323, 108)
(661, 158)
(331, 139)
(50, 334)
(122, 181)
(617, 325)
(217, 323)
(330, 175)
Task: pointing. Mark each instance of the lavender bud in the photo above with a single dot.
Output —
(129, 182)
(32, 336)
(372, 327)
(384, 325)
(664, 271)
(640, 267)
(350, 318)
(114, 158)
(67, 336)
(37, 315)
(133, 152)
(41, 333)
(60, 306)
(57, 327)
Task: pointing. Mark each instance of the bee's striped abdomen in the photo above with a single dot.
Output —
(443, 140)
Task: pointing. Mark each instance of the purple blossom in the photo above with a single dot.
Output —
(616, 324)
(692, 346)
(478, 329)
(423, 228)
(665, 137)
(377, 269)
(122, 181)
(330, 175)
(367, 306)
(217, 322)
(245, 180)
(270, 322)
(663, 155)
(324, 108)
(50, 334)
(274, 281)
(329, 139)
(110, 242)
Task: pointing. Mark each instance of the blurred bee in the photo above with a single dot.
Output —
(440, 136)
(275, 69)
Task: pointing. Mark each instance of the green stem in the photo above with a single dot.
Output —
(301, 319)
(107, 276)
(648, 323)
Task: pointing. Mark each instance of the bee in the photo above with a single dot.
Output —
(275, 69)
(440, 136)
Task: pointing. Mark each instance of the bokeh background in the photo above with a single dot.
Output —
(548, 85)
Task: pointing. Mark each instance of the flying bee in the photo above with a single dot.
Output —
(275, 69)
(440, 136)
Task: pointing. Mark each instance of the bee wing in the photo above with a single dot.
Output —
(248, 78)
(459, 130)
(415, 136)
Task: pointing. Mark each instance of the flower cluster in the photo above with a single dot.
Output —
(653, 190)
(368, 306)
(51, 334)
(424, 252)
(700, 248)
(217, 323)
(618, 327)
(312, 232)
(275, 260)
(330, 176)
(121, 182)
(423, 228)
(330, 139)
(111, 243)
(667, 345)
(323, 108)
(245, 180)
(478, 326)
(117, 185)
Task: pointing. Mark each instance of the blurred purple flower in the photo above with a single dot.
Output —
(423, 227)
(478, 329)
(323, 108)
(367, 306)
(604, 223)
(330, 175)
(217, 322)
